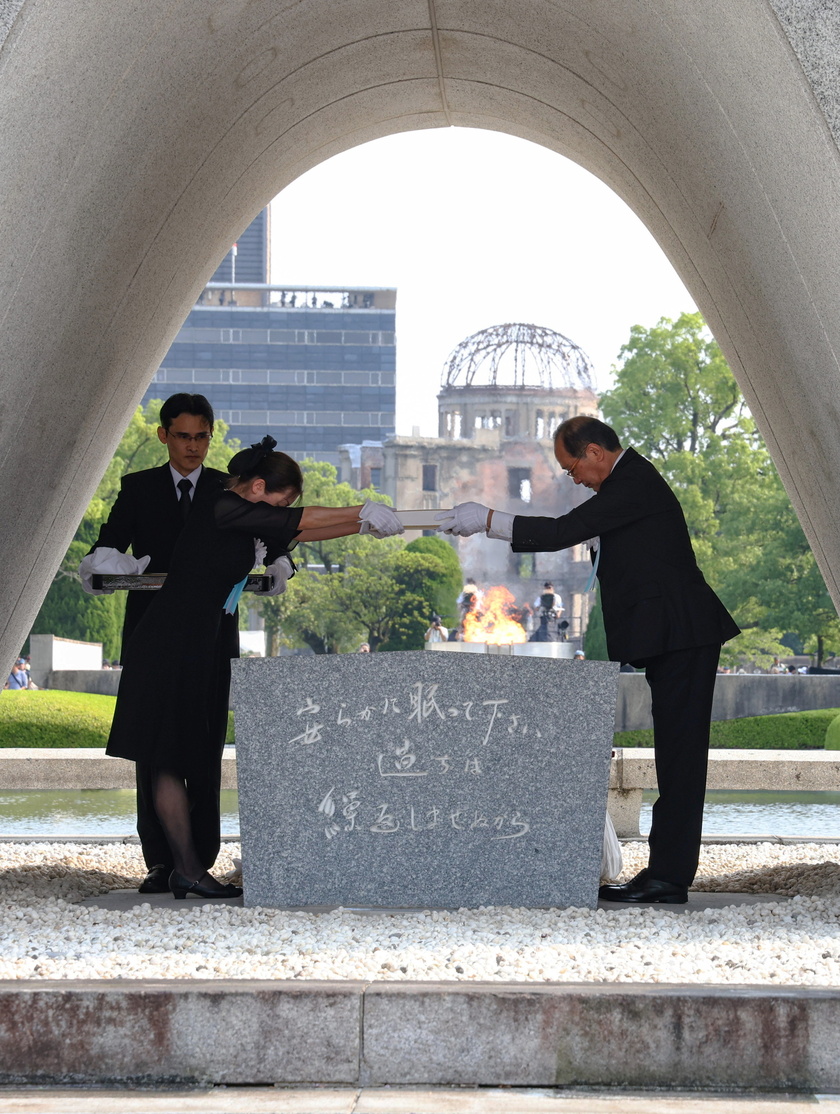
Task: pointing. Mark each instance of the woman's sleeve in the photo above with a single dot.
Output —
(278, 525)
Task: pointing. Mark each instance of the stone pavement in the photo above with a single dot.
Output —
(386, 1100)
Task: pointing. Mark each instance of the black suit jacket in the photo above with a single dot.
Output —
(653, 595)
(147, 519)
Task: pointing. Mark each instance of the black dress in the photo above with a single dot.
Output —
(172, 704)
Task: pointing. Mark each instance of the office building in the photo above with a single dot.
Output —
(314, 366)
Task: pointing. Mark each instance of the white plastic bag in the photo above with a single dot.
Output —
(105, 559)
(611, 859)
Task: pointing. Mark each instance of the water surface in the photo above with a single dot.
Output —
(111, 812)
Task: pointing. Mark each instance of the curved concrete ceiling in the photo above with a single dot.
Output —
(139, 138)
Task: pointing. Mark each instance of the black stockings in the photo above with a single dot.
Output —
(173, 810)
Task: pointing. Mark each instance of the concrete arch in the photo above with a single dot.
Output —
(139, 137)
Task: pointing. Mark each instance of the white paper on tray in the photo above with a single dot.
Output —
(420, 520)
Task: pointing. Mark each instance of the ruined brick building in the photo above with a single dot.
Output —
(504, 391)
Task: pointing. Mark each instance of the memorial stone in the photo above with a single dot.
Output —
(422, 780)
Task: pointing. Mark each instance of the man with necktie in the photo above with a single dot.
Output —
(147, 516)
(660, 615)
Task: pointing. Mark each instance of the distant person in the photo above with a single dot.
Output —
(548, 599)
(579, 655)
(659, 614)
(548, 608)
(437, 632)
(525, 617)
(470, 597)
(19, 678)
(364, 648)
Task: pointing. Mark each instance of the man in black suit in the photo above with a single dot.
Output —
(147, 516)
(660, 615)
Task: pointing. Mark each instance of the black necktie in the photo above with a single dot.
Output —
(184, 502)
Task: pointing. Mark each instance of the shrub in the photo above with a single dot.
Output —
(788, 731)
(52, 718)
(445, 587)
(832, 735)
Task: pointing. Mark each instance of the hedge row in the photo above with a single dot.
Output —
(50, 718)
(787, 731)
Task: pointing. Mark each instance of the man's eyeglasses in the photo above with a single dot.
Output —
(570, 472)
(200, 438)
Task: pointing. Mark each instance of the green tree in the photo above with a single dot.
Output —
(321, 488)
(67, 611)
(389, 594)
(310, 613)
(443, 590)
(313, 611)
(380, 596)
(677, 402)
(595, 638)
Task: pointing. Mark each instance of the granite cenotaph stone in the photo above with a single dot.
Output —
(422, 780)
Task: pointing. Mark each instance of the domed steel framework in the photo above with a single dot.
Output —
(518, 355)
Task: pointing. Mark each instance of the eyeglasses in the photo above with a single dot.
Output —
(570, 472)
(200, 438)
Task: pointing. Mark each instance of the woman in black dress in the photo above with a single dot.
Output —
(171, 709)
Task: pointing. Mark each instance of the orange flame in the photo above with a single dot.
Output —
(492, 623)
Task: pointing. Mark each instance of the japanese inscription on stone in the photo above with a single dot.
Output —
(420, 779)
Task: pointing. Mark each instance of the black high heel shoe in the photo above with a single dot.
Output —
(181, 886)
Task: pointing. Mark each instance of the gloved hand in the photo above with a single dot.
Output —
(112, 562)
(463, 520)
(281, 571)
(379, 520)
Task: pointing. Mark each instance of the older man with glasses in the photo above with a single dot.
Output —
(660, 615)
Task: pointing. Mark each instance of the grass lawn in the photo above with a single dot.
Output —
(52, 718)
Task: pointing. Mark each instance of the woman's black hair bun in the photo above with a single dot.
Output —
(248, 460)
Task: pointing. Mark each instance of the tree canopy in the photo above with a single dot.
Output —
(357, 589)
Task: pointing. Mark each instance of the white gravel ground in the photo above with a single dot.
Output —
(45, 935)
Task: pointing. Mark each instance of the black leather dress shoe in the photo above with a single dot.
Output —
(182, 886)
(156, 881)
(644, 889)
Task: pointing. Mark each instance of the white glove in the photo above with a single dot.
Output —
(379, 520)
(281, 572)
(463, 520)
(111, 562)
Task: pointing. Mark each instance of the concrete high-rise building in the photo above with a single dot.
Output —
(314, 366)
(249, 259)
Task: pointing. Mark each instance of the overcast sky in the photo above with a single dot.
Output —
(474, 229)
